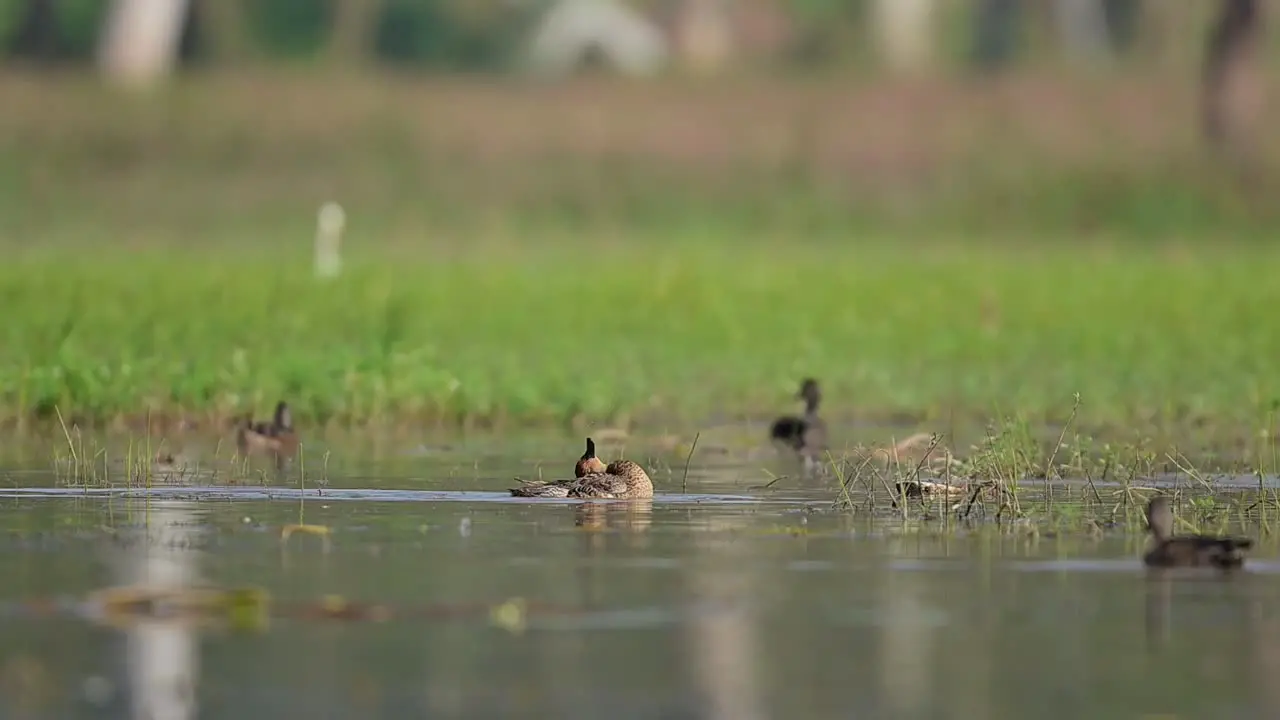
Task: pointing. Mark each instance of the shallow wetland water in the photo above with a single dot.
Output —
(725, 601)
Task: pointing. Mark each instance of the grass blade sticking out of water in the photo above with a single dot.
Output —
(1050, 464)
(71, 446)
(684, 480)
(844, 501)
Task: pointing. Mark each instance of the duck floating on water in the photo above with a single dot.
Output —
(276, 437)
(806, 434)
(620, 480)
(1188, 550)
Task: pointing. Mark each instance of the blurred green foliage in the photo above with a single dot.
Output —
(72, 33)
(455, 34)
(290, 27)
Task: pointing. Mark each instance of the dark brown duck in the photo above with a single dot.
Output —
(806, 434)
(1188, 550)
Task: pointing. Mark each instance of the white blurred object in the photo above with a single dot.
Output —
(140, 40)
(906, 32)
(572, 28)
(329, 225)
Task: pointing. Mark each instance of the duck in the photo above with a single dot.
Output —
(807, 434)
(589, 463)
(276, 437)
(619, 480)
(1188, 550)
(167, 466)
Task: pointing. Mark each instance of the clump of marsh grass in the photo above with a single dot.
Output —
(1068, 484)
(918, 467)
(81, 462)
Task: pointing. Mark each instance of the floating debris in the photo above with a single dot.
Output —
(249, 609)
(322, 531)
(511, 615)
(123, 606)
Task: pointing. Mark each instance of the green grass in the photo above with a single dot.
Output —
(632, 251)
(546, 328)
(1070, 481)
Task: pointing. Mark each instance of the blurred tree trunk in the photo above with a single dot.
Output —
(1122, 23)
(228, 29)
(37, 33)
(995, 31)
(906, 35)
(354, 23)
(140, 41)
(1232, 84)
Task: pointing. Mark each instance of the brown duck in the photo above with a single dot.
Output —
(806, 434)
(620, 479)
(589, 463)
(276, 437)
(1188, 550)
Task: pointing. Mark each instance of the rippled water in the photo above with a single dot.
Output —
(724, 601)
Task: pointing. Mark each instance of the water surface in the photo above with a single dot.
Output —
(725, 601)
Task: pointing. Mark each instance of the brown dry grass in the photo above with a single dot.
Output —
(232, 140)
(838, 123)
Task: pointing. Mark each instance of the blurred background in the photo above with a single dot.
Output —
(1096, 112)
(758, 180)
(647, 221)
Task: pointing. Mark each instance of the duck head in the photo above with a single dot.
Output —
(589, 463)
(1160, 518)
(810, 393)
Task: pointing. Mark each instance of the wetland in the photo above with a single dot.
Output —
(409, 583)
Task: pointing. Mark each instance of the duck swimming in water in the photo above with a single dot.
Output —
(807, 434)
(1188, 550)
(620, 479)
(276, 437)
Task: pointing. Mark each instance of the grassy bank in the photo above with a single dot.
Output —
(606, 251)
(548, 330)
